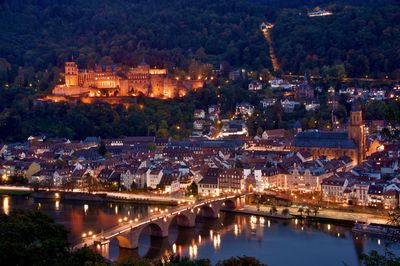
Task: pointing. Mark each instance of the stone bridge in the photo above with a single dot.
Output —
(128, 234)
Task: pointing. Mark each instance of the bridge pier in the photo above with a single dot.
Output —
(240, 202)
(211, 210)
(185, 217)
(158, 228)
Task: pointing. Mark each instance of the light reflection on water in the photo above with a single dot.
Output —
(6, 205)
(274, 242)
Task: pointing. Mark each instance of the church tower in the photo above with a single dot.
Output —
(71, 74)
(357, 131)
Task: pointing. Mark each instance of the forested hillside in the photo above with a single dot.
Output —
(36, 37)
(356, 41)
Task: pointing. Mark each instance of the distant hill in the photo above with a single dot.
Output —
(355, 40)
(40, 35)
(37, 36)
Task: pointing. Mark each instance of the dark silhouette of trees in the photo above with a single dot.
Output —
(352, 42)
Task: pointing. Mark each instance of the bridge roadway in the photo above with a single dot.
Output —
(210, 208)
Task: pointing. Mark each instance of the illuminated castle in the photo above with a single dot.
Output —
(106, 81)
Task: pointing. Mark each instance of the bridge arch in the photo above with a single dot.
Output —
(210, 210)
(185, 218)
(156, 229)
(229, 204)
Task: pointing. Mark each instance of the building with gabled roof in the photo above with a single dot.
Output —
(333, 144)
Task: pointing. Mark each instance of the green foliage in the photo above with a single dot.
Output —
(85, 256)
(176, 261)
(394, 218)
(124, 32)
(16, 179)
(192, 189)
(376, 259)
(356, 41)
(315, 210)
(102, 148)
(136, 262)
(240, 261)
(32, 238)
(107, 121)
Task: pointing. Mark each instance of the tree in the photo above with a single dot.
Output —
(300, 210)
(178, 261)
(285, 212)
(90, 183)
(102, 148)
(273, 210)
(259, 131)
(68, 184)
(240, 261)
(134, 186)
(394, 218)
(32, 238)
(375, 259)
(315, 210)
(162, 133)
(192, 189)
(86, 256)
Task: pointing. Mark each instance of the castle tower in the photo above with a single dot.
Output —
(71, 74)
(356, 131)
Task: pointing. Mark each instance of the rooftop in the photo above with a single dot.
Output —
(325, 139)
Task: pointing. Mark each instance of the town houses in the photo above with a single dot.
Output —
(235, 164)
(350, 163)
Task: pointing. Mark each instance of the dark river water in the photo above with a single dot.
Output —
(273, 242)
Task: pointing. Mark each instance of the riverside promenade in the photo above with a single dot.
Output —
(328, 214)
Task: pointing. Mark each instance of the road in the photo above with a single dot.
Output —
(131, 196)
(272, 55)
(15, 188)
(120, 195)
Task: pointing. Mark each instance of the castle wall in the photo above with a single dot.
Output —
(138, 80)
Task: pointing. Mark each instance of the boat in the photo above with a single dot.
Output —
(377, 230)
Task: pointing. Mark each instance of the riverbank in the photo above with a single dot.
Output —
(259, 213)
(103, 197)
(15, 190)
(326, 215)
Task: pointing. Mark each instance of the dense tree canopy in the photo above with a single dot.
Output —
(36, 37)
(356, 41)
(32, 238)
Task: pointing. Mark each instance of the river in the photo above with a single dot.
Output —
(274, 242)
